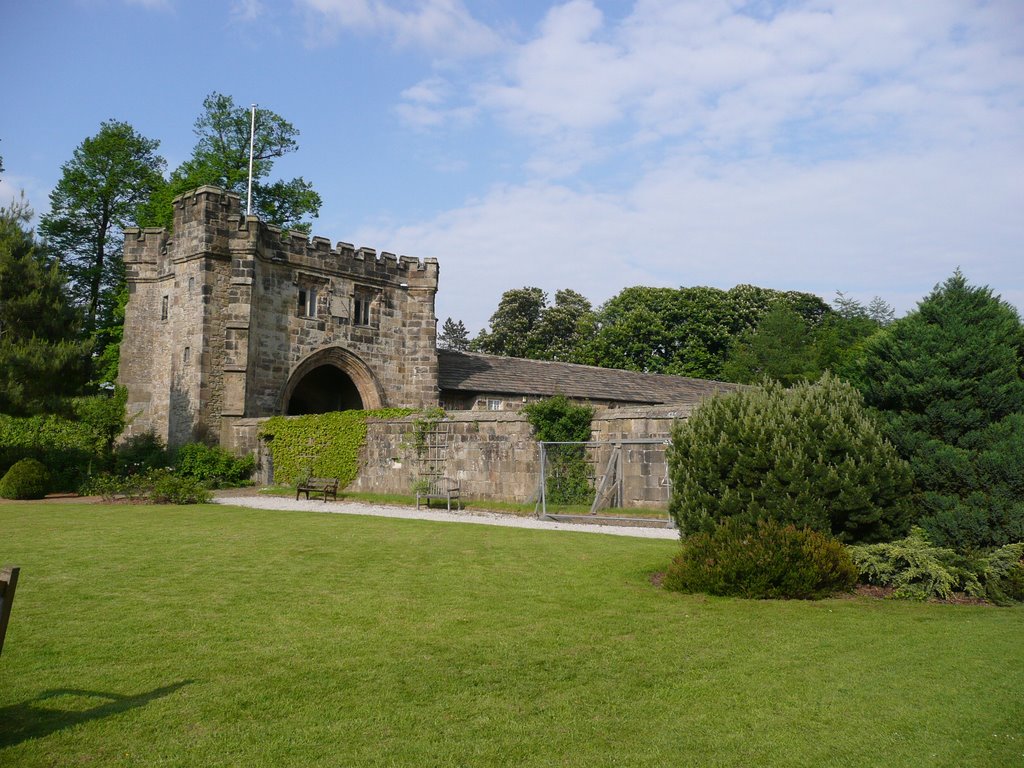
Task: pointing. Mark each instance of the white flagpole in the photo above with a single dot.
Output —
(252, 142)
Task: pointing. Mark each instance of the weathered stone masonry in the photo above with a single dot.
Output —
(228, 317)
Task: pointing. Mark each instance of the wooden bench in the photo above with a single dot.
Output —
(328, 486)
(8, 583)
(442, 488)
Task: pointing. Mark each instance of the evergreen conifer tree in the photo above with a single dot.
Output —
(949, 381)
(41, 363)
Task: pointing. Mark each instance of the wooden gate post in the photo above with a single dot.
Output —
(8, 583)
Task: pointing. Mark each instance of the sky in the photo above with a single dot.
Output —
(864, 146)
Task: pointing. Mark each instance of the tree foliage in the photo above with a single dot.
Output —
(101, 189)
(811, 456)
(41, 360)
(949, 381)
(453, 336)
(221, 158)
(788, 347)
(780, 348)
(512, 323)
(685, 331)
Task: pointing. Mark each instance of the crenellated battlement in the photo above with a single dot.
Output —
(208, 222)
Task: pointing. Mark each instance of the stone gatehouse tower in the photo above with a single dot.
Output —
(230, 318)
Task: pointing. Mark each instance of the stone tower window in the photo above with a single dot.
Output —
(191, 285)
(164, 307)
(188, 354)
(307, 302)
(361, 304)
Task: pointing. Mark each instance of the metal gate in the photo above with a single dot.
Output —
(619, 481)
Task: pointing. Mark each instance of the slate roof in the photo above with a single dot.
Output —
(471, 372)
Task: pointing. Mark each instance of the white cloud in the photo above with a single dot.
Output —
(247, 10)
(705, 74)
(445, 28)
(424, 105)
(892, 226)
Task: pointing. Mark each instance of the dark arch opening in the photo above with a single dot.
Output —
(322, 390)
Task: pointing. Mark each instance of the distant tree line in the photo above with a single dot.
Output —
(743, 334)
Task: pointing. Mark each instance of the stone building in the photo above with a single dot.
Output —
(229, 317)
(230, 320)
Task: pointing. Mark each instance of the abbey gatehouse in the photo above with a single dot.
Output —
(230, 320)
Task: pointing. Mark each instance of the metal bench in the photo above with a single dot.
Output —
(328, 486)
(442, 488)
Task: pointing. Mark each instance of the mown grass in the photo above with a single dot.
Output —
(201, 636)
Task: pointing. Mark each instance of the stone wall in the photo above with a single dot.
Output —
(494, 456)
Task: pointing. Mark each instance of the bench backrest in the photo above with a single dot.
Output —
(8, 583)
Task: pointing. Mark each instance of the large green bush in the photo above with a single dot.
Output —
(916, 569)
(948, 380)
(212, 465)
(72, 446)
(27, 479)
(810, 455)
(765, 560)
(320, 445)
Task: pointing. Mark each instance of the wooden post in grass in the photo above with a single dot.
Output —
(8, 583)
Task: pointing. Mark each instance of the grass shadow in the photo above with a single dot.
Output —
(33, 719)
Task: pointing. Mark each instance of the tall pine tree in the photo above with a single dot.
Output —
(949, 381)
(41, 363)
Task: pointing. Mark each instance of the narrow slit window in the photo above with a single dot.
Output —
(165, 303)
(307, 302)
(361, 307)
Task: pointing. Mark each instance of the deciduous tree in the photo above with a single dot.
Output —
(512, 323)
(221, 158)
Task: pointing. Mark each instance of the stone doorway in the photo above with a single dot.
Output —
(322, 390)
(331, 379)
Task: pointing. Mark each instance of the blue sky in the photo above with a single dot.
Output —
(867, 146)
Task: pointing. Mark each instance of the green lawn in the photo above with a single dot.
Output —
(214, 636)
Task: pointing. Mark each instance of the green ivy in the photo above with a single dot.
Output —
(321, 445)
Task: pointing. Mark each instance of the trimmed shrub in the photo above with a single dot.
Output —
(71, 447)
(165, 487)
(212, 465)
(811, 456)
(27, 479)
(764, 560)
(916, 569)
(67, 448)
(1003, 574)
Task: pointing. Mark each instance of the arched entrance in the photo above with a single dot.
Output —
(331, 379)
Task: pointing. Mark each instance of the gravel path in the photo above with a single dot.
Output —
(478, 518)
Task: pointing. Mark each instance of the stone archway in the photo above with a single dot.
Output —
(331, 379)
